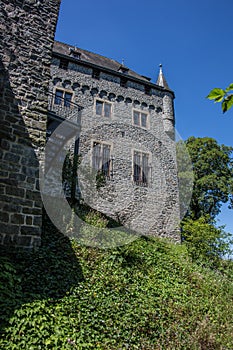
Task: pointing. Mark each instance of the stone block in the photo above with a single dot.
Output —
(30, 230)
(17, 219)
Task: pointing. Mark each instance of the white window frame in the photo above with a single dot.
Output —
(140, 118)
(64, 91)
(102, 113)
(102, 143)
(141, 183)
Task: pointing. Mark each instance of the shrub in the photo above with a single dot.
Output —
(145, 295)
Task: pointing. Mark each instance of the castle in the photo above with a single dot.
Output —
(124, 122)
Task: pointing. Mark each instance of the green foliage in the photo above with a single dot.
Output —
(10, 288)
(146, 295)
(94, 218)
(100, 180)
(67, 168)
(206, 243)
(185, 176)
(213, 176)
(223, 96)
(69, 175)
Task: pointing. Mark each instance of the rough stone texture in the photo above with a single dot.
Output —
(149, 210)
(26, 37)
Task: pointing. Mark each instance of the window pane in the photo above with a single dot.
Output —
(137, 167)
(67, 99)
(107, 110)
(96, 74)
(106, 160)
(141, 168)
(58, 97)
(136, 118)
(143, 120)
(99, 107)
(145, 168)
(63, 63)
(96, 156)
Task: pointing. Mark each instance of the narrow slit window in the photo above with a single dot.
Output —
(95, 74)
(123, 82)
(63, 64)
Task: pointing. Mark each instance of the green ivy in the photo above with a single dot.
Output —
(145, 295)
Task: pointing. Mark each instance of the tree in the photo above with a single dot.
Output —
(213, 177)
(185, 176)
(206, 243)
(223, 96)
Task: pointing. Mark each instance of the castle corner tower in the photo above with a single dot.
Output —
(168, 106)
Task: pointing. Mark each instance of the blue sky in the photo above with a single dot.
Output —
(192, 39)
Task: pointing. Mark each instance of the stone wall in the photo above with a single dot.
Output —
(149, 210)
(27, 32)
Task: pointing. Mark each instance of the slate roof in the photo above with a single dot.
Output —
(88, 57)
(95, 59)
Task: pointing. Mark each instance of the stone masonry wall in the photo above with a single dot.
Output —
(149, 210)
(26, 38)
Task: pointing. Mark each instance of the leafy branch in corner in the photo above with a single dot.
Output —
(223, 96)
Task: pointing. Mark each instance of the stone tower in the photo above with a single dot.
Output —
(26, 40)
(168, 107)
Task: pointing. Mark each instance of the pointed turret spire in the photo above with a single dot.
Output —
(161, 81)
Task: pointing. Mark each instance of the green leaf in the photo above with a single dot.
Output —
(227, 103)
(224, 106)
(219, 99)
(230, 87)
(216, 94)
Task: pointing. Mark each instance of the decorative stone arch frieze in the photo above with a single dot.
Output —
(103, 94)
(67, 84)
(57, 82)
(111, 96)
(85, 88)
(75, 86)
(120, 98)
(128, 100)
(144, 105)
(94, 91)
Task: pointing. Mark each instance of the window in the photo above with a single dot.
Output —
(140, 119)
(123, 82)
(103, 109)
(141, 169)
(147, 90)
(96, 74)
(63, 98)
(123, 69)
(101, 160)
(63, 63)
(75, 54)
